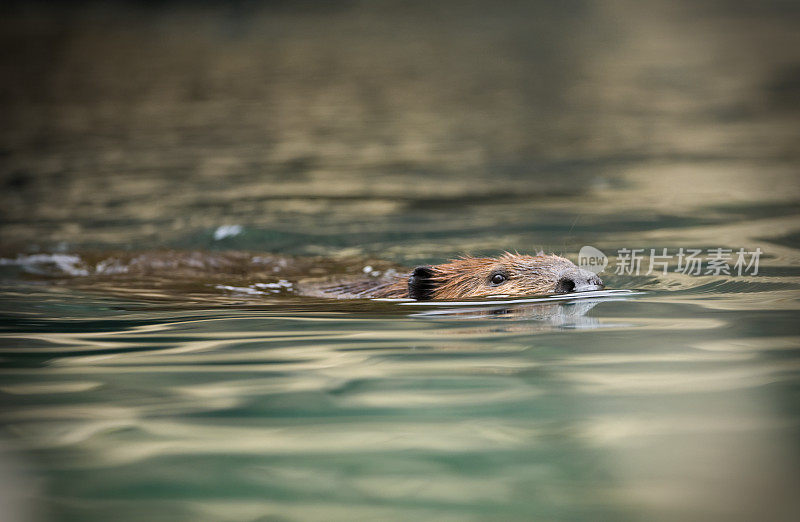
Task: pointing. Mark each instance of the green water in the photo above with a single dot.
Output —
(393, 134)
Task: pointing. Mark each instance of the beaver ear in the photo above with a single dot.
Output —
(420, 283)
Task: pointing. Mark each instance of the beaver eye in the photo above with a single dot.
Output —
(498, 278)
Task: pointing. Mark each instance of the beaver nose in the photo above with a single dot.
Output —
(578, 281)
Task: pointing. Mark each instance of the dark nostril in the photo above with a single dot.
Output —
(565, 285)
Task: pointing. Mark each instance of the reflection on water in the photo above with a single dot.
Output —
(399, 415)
(270, 142)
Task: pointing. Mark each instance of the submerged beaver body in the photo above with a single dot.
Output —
(474, 277)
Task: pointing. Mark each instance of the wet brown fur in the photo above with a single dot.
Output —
(470, 277)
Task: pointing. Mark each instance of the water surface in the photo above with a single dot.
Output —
(387, 135)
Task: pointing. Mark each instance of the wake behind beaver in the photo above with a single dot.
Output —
(513, 275)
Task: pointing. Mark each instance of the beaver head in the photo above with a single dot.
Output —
(509, 274)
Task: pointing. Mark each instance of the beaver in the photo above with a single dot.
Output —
(466, 277)
(471, 277)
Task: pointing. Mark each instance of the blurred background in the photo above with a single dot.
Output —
(408, 132)
(408, 129)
